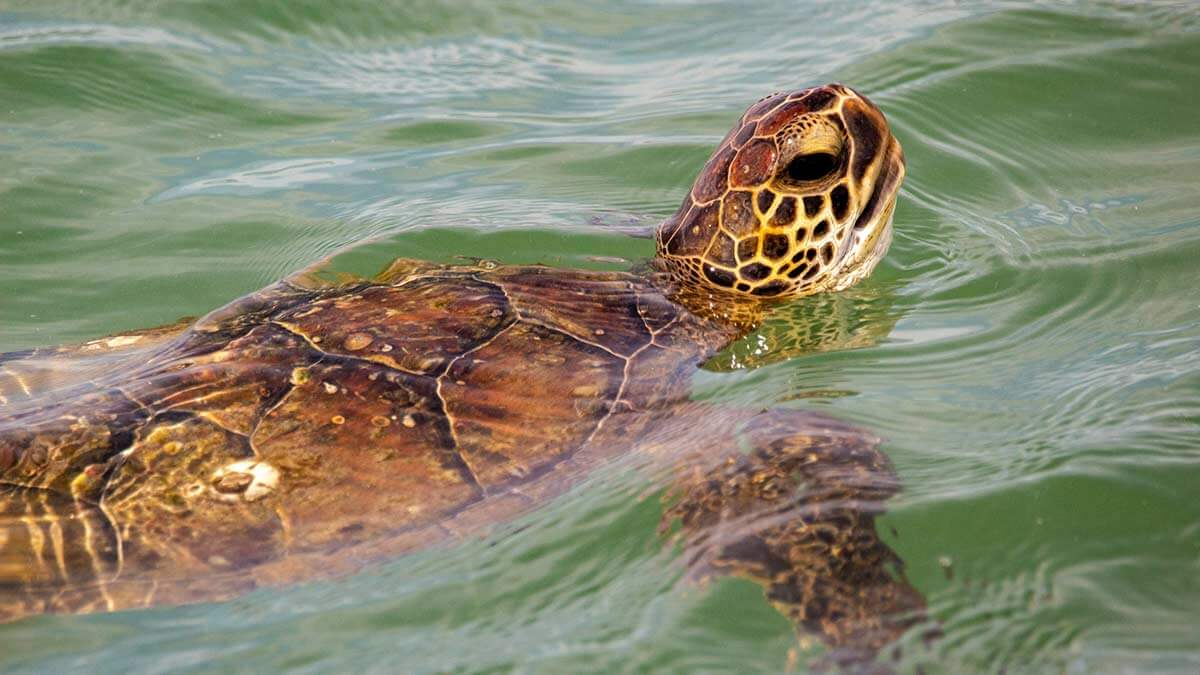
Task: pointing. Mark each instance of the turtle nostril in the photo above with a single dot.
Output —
(815, 166)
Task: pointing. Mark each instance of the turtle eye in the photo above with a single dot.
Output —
(810, 167)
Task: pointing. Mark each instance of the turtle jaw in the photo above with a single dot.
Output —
(862, 260)
(869, 239)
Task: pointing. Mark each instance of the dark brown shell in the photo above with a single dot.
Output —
(304, 420)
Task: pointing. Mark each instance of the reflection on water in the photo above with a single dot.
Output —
(1037, 393)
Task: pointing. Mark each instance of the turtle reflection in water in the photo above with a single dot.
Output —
(315, 424)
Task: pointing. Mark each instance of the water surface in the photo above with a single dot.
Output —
(1030, 346)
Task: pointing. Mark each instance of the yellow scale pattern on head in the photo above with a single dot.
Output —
(782, 265)
(772, 237)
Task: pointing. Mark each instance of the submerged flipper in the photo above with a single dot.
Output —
(797, 516)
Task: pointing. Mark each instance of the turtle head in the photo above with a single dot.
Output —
(797, 199)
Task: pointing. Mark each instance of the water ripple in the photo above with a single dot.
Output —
(32, 36)
(1029, 349)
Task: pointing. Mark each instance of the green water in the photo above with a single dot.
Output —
(1035, 369)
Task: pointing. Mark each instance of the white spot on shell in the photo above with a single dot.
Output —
(330, 388)
(585, 391)
(263, 480)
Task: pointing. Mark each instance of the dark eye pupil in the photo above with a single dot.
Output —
(811, 167)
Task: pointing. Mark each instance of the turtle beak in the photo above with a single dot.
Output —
(876, 213)
(872, 232)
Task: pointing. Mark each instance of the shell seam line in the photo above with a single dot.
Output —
(612, 408)
(292, 330)
(270, 409)
(522, 316)
(624, 370)
(458, 449)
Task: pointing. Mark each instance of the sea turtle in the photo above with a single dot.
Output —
(315, 425)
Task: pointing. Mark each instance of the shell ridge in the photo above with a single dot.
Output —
(612, 408)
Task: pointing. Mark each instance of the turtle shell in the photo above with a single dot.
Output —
(304, 420)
